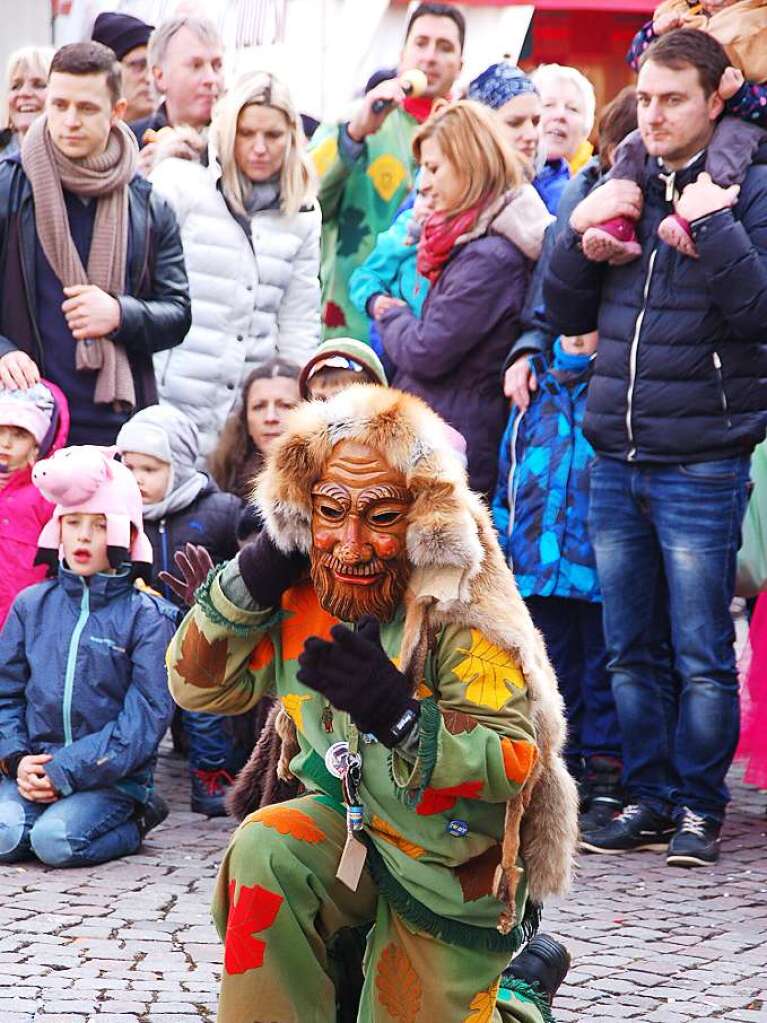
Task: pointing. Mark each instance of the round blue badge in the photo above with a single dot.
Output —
(457, 828)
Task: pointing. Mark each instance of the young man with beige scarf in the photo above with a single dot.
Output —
(92, 277)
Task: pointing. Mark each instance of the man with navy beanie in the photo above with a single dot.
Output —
(128, 37)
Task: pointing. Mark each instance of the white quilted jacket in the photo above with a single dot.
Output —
(249, 304)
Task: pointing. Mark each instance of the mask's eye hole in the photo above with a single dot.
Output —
(329, 511)
(384, 518)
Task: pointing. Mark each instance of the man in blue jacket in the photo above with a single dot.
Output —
(676, 404)
(92, 276)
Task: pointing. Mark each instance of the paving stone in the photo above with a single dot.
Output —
(132, 942)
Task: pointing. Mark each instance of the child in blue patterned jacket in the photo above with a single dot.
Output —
(540, 510)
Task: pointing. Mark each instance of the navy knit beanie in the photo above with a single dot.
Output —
(121, 32)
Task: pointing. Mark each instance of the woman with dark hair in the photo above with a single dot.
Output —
(268, 393)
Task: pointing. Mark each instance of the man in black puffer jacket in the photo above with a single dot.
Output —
(160, 446)
(676, 404)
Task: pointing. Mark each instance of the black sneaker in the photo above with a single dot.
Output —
(636, 827)
(602, 780)
(695, 842)
(543, 964)
(150, 814)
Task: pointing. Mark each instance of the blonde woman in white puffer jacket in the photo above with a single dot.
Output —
(250, 229)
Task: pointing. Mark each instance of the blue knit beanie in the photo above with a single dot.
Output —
(498, 84)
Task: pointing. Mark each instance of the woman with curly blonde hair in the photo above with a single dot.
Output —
(250, 229)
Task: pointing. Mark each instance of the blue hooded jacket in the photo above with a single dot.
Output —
(82, 677)
(541, 502)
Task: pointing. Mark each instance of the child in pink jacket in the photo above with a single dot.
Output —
(33, 424)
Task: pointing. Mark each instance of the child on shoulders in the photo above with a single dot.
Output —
(741, 27)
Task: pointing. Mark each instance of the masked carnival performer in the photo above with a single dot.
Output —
(426, 732)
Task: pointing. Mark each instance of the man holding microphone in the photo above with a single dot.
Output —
(366, 166)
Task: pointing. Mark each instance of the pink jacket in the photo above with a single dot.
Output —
(23, 513)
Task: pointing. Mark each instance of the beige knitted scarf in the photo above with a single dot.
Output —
(104, 178)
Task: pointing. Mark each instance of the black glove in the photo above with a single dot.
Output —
(267, 572)
(355, 673)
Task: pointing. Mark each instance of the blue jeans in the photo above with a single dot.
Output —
(210, 744)
(666, 538)
(76, 831)
(575, 643)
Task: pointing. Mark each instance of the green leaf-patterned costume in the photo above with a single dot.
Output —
(359, 198)
(434, 820)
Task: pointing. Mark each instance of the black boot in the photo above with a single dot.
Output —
(603, 779)
(542, 964)
(150, 814)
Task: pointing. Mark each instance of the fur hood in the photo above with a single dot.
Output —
(460, 577)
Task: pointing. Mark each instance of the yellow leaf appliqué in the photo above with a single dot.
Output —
(482, 1006)
(387, 174)
(292, 703)
(324, 154)
(488, 671)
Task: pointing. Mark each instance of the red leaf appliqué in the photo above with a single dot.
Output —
(255, 910)
(439, 800)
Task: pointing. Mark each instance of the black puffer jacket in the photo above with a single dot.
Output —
(681, 370)
(211, 520)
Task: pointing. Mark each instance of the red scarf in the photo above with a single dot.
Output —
(438, 236)
(419, 107)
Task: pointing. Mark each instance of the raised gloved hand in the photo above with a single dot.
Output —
(356, 674)
(267, 572)
(193, 563)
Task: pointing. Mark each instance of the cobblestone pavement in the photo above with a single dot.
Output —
(131, 942)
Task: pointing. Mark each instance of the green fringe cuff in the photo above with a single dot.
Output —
(530, 993)
(204, 600)
(451, 932)
(429, 724)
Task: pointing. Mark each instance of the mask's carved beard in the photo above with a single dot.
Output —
(350, 603)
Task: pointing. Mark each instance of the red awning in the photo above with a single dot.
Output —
(608, 6)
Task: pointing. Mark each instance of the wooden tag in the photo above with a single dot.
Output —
(352, 862)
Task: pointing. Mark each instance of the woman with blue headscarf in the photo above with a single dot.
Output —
(508, 91)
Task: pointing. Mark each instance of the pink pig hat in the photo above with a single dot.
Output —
(87, 479)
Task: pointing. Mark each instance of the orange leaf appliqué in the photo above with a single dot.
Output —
(255, 910)
(398, 985)
(386, 831)
(518, 759)
(305, 618)
(289, 821)
(202, 662)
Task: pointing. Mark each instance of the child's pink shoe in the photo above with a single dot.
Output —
(614, 242)
(675, 231)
